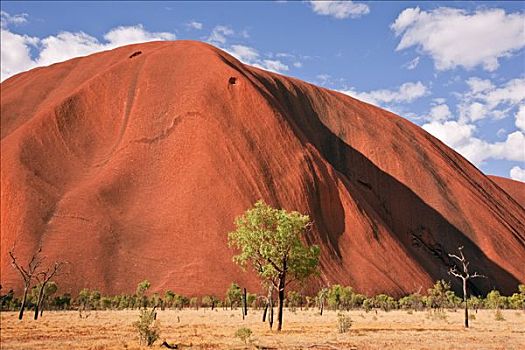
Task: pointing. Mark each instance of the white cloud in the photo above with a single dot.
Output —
(473, 112)
(297, 64)
(244, 53)
(7, 19)
(478, 85)
(412, 64)
(520, 118)
(272, 65)
(135, 34)
(407, 92)
(219, 33)
(512, 92)
(517, 173)
(451, 132)
(194, 25)
(340, 9)
(439, 112)
(454, 37)
(461, 137)
(251, 56)
(16, 54)
(484, 99)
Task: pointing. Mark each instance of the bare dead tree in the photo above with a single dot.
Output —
(27, 273)
(43, 279)
(464, 275)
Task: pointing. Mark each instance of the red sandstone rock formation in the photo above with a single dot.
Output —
(133, 167)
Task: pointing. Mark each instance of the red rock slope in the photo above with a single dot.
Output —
(135, 167)
(516, 189)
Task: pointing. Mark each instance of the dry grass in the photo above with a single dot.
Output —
(205, 329)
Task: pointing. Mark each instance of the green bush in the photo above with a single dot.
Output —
(498, 315)
(344, 322)
(243, 334)
(147, 327)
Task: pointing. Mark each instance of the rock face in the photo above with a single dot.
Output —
(515, 189)
(133, 165)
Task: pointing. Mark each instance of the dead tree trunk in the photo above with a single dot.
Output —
(26, 273)
(43, 278)
(39, 301)
(465, 276)
(23, 306)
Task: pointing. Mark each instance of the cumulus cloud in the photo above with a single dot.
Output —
(219, 34)
(460, 137)
(455, 37)
(520, 118)
(517, 173)
(16, 49)
(244, 53)
(482, 99)
(272, 65)
(7, 19)
(340, 9)
(251, 56)
(439, 112)
(15, 53)
(486, 100)
(407, 92)
(194, 25)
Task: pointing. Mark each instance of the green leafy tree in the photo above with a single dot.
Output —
(385, 302)
(412, 302)
(105, 303)
(475, 302)
(294, 299)
(437, 295)
(334, 296)
(495, 300)
(234, 295)
(517, 300)
(270, 239)
(210, 301)
(142, 288)
(322, 295)
(180, 301)
(95, 298)
(62, 302)
(169, 298)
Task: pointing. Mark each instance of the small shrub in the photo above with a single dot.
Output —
(243, 334)
(499, 315)
(344, 322)
(437, 315)
(472, 316)
(147, 327)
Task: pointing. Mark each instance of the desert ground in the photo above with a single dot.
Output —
(206, 329)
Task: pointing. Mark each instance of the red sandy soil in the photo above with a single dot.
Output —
(135, 168)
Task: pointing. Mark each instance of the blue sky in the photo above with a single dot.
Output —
(455, 68)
